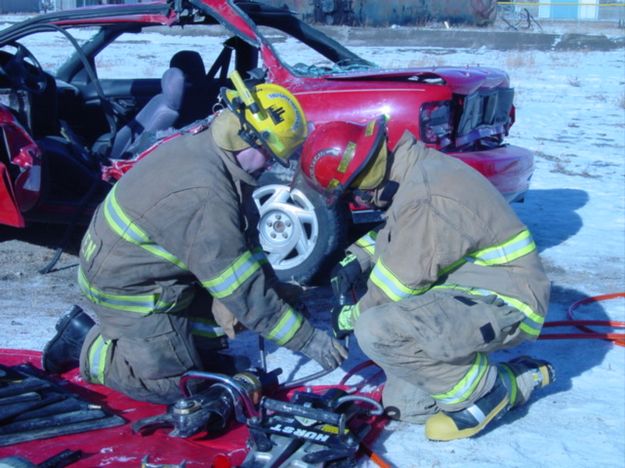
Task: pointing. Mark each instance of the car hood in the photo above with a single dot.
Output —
(462, 80)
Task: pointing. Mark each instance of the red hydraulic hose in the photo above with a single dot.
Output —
(582, 325)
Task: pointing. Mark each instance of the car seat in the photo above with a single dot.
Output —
(196, 103)
(160, 113)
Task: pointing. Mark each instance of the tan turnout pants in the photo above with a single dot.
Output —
(429, 343)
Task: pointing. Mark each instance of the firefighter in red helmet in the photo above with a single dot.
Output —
(452, 274)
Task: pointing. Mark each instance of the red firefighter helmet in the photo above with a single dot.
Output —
(337, 156)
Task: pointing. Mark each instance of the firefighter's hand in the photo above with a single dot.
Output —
(343, 320)
(324, 349)
(344, 275)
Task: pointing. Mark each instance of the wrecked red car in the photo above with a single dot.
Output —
(78, 103)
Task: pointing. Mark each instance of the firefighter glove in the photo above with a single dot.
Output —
(344, 276)
(324, 349)
(343, 320)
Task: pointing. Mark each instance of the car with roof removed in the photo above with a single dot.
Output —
(81, 103)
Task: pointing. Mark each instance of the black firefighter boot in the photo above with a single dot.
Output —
(62, 352)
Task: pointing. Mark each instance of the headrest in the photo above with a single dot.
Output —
(191, 63)
(172, 86)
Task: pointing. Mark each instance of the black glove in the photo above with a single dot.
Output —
(343, 320)
(344, 277)
(324, 349)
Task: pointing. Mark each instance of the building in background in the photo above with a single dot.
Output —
(19, 6)
(567, 10)
(388, 12)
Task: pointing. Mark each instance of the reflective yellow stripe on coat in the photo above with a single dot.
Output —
(287, 326)
(128, 230)
(367, 242)
(235, 275)
(516, 247)
(140, 303)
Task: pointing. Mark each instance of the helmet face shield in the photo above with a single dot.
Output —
(339, 156)
(270, 116)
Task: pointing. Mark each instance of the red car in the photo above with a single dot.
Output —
(72, 125)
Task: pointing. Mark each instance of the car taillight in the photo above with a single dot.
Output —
(435, 125)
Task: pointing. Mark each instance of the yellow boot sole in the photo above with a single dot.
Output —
(441, 427)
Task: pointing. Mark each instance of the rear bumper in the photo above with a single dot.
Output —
(509, 168)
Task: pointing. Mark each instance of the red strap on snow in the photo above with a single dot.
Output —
(582, 325)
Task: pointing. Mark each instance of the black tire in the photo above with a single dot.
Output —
(285, 214)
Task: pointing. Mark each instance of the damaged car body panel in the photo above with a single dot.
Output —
(60, 121)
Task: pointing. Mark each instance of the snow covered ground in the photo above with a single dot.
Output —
(571, 113)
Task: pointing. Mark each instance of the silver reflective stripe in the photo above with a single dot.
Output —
(506, 252)
(234, 275)
(287, 326)
(384, 279)
(477, 413)
(367, 242)
(140, 303)
(97, 359)
(121, 224)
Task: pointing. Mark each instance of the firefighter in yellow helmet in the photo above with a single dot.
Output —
(171, 262)
(451, 275)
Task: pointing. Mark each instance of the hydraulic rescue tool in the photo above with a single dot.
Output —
(224, 399)
(308, 429)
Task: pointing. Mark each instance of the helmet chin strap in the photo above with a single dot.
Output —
(363, 196)
(379, 197)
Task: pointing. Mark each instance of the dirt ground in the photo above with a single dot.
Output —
(32, 301)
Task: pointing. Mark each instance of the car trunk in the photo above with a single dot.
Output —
(478, 116)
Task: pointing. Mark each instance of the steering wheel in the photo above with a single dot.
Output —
(23, 71)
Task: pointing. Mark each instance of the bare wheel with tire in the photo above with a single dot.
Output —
(298, 232)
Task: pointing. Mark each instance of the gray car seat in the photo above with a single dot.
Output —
(160, 113)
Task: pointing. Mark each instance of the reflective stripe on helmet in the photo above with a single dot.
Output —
(463, 390)
(235, 275)
(127, 229)
(287, 327)
(346, 158)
